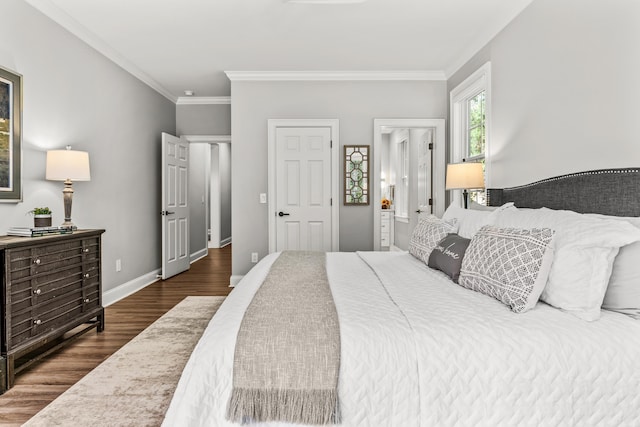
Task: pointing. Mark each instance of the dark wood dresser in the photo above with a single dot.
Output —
(51, 293)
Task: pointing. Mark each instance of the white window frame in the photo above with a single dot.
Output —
(459, 99)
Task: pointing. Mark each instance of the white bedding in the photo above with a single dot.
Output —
(418, 350)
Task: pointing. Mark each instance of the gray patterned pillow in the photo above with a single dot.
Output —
(509, 264)
(427, 234)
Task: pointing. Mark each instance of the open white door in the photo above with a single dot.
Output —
(175, 205)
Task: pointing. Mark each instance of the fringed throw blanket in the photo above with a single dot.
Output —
(287, 354)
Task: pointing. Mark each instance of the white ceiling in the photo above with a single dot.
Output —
(174, 45)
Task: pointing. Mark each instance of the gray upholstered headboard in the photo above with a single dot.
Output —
(606, 191)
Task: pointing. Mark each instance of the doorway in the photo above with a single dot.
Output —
(408, 170)
(209, 193)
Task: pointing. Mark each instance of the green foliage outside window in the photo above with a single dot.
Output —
(477, 134)
(477, 138)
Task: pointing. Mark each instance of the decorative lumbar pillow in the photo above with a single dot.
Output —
(509, 264)
(427, 234)
(448, 254)
(471, 220)
(585, 248)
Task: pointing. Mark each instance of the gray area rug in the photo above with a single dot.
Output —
(135, 385)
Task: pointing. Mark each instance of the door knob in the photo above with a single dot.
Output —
(166, 213)
(419, 211)
(282, 214)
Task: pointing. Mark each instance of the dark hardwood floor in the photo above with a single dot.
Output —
(40, 384)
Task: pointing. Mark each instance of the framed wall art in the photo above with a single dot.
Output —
(356, 174)
(10, 136)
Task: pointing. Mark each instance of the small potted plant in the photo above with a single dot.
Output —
(41, 217)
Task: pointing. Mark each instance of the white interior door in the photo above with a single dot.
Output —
(175, 205)
(303, 189)
(425, 147)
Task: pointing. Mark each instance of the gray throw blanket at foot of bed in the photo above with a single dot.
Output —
(287, 354)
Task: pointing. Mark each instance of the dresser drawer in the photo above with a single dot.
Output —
(384, 240)
(24, 263)
(38, 289)
(45, 317)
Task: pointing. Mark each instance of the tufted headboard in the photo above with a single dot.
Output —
(606, 191)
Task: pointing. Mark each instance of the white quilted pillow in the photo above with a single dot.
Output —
(585, 248)
(623, 291)
(427, 234)
(471, 220)
(508, 264)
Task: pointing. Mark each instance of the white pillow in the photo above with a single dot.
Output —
(427, 234)
(585, 248)
(509, 264)
(623, 292)
(478, 207)
(472, 220)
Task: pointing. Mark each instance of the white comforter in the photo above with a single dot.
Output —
(418, 350)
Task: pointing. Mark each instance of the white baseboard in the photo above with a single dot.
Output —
(234, 280)
(198, 255)
(132, 286)
(221, 244)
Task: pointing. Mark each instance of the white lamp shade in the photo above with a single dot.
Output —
(464, 176)
(68, 164)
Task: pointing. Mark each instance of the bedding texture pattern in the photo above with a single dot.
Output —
(509, 264)
(418, 350)
(287, 354)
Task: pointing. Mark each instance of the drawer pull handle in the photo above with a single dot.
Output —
(86, 300)
(86, 250)
(86, 276)
(37, 261)
(37, 322)
(37, 291)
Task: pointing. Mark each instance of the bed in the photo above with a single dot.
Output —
(418, 349)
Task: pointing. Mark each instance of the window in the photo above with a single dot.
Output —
(470, 107)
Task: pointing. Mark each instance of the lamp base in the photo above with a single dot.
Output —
(67, 194)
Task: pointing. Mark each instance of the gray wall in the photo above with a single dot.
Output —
(565, 89)
(220, 179)
(198, 198)
(225, 191)
(73, 95)
(355, 104)
(203, 119)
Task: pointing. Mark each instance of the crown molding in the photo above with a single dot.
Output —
(203, 100)
(325, 1)
(335, 75)
(74, 27)
(210, 139)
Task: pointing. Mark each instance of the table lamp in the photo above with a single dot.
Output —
(68, 166)
(464, 176)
